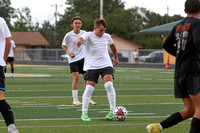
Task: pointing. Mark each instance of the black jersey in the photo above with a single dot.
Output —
(184, 43)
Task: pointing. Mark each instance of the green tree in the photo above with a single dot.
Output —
(6, 11)
(23, 20)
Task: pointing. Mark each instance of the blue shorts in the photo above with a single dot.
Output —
(93, 75)
(2, 79)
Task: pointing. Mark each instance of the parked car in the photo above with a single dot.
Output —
(120, 57)
(153, 57)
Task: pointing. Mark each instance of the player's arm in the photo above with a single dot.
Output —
(79, 41)
(65, 48)
(7, 48)
(196, 33)
(15, 50)
(114, 51)
(168, 45)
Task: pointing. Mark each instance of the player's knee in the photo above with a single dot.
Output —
(109, 86)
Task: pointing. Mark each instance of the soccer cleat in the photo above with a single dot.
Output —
(153, 128)
(12, 75)
(14, 130)
(109, 116)
(77, 103)
(92, 102)
(85, 117)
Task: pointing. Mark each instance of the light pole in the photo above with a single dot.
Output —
(101, 9)
(55, 15)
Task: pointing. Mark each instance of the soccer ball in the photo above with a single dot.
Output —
(120, 113)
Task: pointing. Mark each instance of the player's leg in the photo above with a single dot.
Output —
(180, 92)
(75, 76)
(12, 68)
(195, 128)
(91, 101)
(107, 75)
(5, 109)
(86, 99)
(81, 64)
(92, 78)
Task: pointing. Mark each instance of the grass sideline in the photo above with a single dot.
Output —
(44, 104)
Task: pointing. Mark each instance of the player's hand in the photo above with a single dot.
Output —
(116, 61)
(72, 55)
(79, 41)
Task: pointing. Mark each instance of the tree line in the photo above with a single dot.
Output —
(122, 22)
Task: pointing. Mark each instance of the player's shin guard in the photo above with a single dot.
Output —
(86, 98)
(111, 94)
(195, 128)
(7, 113)
(171, 120)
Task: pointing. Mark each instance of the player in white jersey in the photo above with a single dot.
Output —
(98, 62)
(5, 44)
(11, 58)
(75, 56)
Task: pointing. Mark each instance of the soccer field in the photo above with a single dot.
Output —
(40, 97)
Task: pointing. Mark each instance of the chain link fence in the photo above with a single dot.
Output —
(58, 55)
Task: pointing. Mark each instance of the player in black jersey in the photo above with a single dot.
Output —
(184, 43)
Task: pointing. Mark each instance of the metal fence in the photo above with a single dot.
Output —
(57, 55)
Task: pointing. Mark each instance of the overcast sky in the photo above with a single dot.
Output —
(44, 9)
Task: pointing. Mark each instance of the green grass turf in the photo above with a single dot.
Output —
(44, 104)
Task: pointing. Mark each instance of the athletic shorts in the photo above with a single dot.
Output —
(186, 85)
(93, 75)
(10, 59)
(77, 66)
(2, 79)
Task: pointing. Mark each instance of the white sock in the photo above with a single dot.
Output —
(86, 98)
(11, 126)
(111, 94)
(75, 95)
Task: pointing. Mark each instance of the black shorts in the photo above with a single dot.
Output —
(10, 59)
(77, 66)
(186, 85)
(2, 79)
(93, 75)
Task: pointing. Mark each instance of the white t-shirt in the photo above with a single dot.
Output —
(136, 54)
(70, 41)
(11, 54)
(97, 55)
(4, 33)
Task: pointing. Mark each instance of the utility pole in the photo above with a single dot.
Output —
(55, 27)
(167, 16)
(101, 9)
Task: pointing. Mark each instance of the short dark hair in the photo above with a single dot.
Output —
(99, 22)
(75, 18)
(192, 6)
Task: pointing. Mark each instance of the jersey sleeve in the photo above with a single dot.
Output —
(66, 40)
(168, 44)
(13, 44)
(110, 40)
(6, 29)
(85, 36)
(195, 34)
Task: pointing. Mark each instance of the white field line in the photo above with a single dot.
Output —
(133, 89)
(92, 96)
(72, 106)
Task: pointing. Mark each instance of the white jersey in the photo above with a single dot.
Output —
(70, 41)
(97, 55)
(11, 54)
(4, 33)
